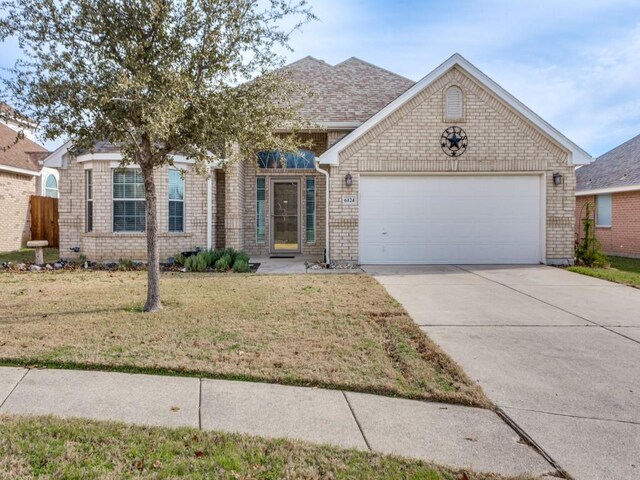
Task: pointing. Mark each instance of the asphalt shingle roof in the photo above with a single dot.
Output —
(351, 91)
(24, 154)
(619, 167)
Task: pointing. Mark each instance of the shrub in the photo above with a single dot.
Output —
(196, 263)
(126, 265)
(240, 265)
(216, 254)
(180, 259)
(224, 263)
(589, 250)
(241, 256)
(231, 253)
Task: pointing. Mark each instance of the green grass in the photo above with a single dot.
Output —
(46, 447)
(51, 255)
(622, 270)
(340, 331)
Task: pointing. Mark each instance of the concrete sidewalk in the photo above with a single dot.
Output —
(446, 434)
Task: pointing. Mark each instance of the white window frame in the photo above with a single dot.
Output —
(598, 199)
(88, 195)
(114, 199)
(174, 200)
(54, 190)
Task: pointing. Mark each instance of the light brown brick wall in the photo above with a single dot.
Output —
(102, 244)
(500, 140)
(623, 237)
(15, 223)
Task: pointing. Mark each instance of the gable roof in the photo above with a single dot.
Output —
(21, 157)
(578, 155)
(616, 170)
(350, 92)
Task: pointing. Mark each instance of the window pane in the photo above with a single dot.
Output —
(88, 174)
(260, 210)
(129, 216)
(603, 210)
(176, 185)
(128, 184)
(311, 209)
(90, 216)
(176, 216)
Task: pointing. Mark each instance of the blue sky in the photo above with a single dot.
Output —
(574, 62)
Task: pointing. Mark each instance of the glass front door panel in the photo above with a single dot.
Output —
(285, 217)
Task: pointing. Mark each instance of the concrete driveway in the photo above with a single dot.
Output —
(558, 352)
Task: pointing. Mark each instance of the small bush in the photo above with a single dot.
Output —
(241, 256)
(240, 266)
(197, 263)
(180, 259)
(224, 263)
(231, 253)
(126, 265)
(589, 251)
(216, 254)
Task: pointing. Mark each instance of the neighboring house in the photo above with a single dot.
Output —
(21, 175)
(612, 185)
(451, 169)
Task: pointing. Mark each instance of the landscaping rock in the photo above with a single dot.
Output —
(58, 266)
(21, 266)
(35, 268)
(48, 266)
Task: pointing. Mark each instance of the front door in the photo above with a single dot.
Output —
(285, 215)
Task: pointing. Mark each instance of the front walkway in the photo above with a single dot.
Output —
(446, 434)
(558, 352)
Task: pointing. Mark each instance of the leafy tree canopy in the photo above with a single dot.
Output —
(154, 76)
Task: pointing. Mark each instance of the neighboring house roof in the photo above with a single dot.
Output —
(578, 155)
(12, 114)
(21, 157)
(348, 93)
(616, 170)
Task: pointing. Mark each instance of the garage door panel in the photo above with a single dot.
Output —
(450, 219)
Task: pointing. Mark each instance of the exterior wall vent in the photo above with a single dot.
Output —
(453, 104)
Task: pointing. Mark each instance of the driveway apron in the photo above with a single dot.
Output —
(558, 352)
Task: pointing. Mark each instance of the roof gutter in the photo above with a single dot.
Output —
(327, 258)
(600, 191)
(20, 171)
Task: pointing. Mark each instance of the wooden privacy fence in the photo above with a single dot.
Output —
(44, 219)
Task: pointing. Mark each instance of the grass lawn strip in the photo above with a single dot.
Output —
(340, 331)
(46, 447)
(623, 270)
(51, 255)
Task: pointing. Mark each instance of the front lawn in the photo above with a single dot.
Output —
(23, 255)
(44, 447)
(622, 270)
(338, 331)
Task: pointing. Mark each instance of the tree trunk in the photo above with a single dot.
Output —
(153, 257)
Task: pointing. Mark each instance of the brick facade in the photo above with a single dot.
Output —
(500, 141)
(623, 237)
(15, 192)
(103, 244)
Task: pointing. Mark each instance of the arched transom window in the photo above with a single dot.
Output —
(51, 187)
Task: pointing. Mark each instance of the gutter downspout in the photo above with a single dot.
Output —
(209, 220)
(326, 214)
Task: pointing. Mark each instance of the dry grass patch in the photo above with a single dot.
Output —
(339, 331)
(44, 447)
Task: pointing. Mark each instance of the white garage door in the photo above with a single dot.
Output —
(450, 219)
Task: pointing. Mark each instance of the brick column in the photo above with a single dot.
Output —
(234, 205)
